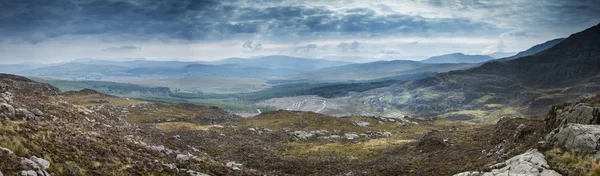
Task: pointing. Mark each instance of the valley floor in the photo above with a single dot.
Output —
(89, 133)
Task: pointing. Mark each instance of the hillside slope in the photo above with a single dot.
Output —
(528, 85)
(533, 50)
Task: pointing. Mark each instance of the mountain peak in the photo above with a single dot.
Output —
(458, 58)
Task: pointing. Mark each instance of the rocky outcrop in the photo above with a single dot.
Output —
(25, 114)
(576, 136)
(6, 97)
(580, 113)
(7, 110)
(577, 127)
(531, 163)
(32, 166)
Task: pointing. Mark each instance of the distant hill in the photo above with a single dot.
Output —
(138, 63)
(523, 86)
(196, 70)
(377, 70)
(533, 50)
(502, 54)
(282, 62)
(457, 58)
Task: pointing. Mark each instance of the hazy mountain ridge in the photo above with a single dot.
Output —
(282, 62)
(378, 70)
(458, 58)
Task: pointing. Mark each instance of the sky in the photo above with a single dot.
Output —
(50, 31)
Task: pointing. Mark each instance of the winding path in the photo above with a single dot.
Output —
(324, 105)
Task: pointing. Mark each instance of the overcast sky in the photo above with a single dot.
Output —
(62, 30)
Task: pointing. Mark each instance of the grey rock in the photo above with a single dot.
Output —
(531, 162)
(159, 148)
(7, 110)
(303, 134)
(580, 113)
(310, 134)
(170, 166)
(233, 165)
(3, 87)
(1, 174)
(361, 124)
(7, 96)
(470, 173)
(550, 173)
(6, 151)
(28, 173)
(184, 156)
(37, 112)
(351, 136)
(579, 136)
(194, 173)
(30, 164)
(45, 164)
(81, 111)
(25, 114)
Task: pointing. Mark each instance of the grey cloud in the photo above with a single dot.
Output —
(390, 52)
(252, 46)
(122, 48)
(305, 49)
(349, 47)
(37, 20)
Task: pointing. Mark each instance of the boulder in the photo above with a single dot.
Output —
(3, 87)
(361, 124)
(29, 164)
(580, 113)
(28, 173)
(44, 164)
(7, 97)
(233, 165)
(531, 162)
(579, 136)
(37, 112)
(195, 173)
(351, 136)
(7, 110)
(303, 134)
(6, 151)
(25, 114)
(184, 156)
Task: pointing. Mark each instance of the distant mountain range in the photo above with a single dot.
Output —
(526, 85)
(266, 67)
(282, 62)
(262, 67)
(458, 58)
(379, 69)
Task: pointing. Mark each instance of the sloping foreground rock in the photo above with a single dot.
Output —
(575, 126)
(530, 163)
(576, 136)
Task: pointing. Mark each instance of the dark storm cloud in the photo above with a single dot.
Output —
(36, 20)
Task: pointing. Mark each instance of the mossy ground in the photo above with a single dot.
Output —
(573, 162)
